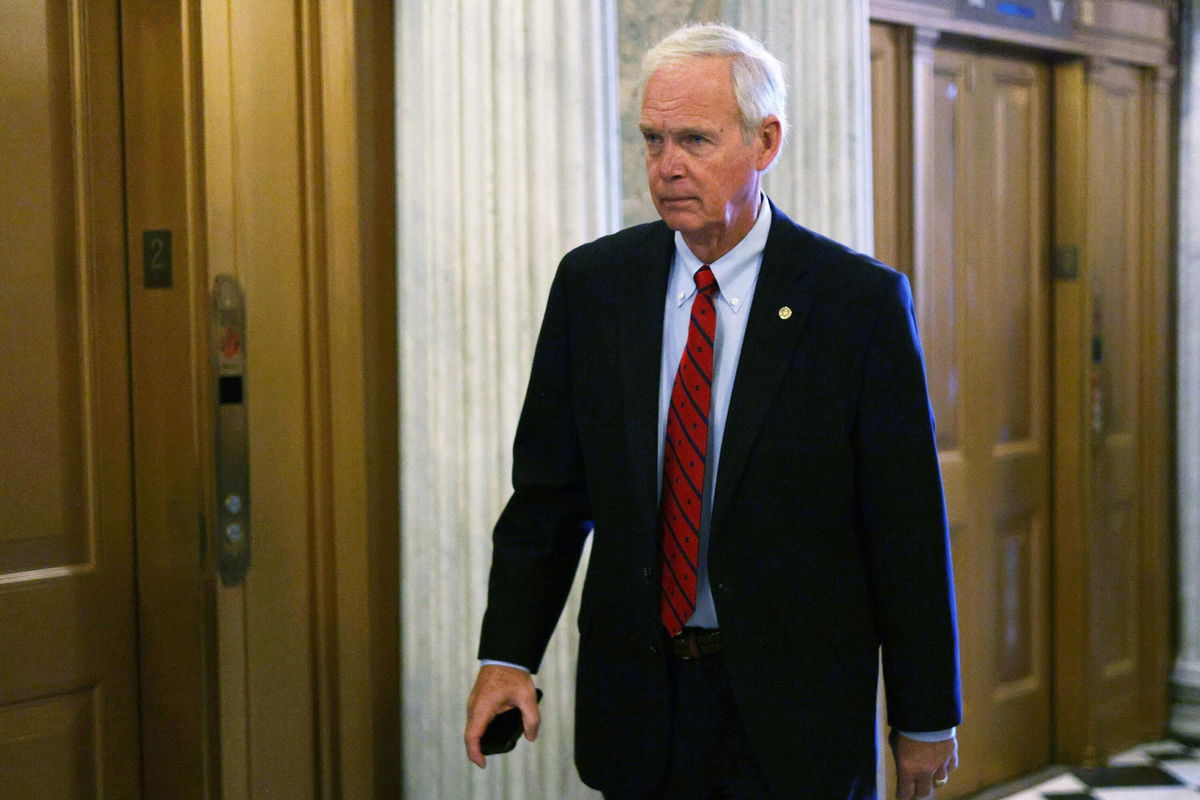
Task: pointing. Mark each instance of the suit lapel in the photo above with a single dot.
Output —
(781, 304)
(641, 337)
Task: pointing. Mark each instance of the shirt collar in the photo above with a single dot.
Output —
(735, 271)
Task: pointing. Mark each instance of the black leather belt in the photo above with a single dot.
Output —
(695, 642)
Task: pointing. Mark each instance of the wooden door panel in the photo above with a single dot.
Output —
(41, 517)
(68, 716)
(1017, 323)
(891, 145)
(1015, 189)
(980, 283)
(939, 272)
(1116, 137)
(52, 745)
(1013, 481)
(1013, 645)
(946, 311)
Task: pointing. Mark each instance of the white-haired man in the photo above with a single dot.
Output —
(737, 406)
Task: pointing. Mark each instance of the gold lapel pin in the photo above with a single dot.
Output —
(785, 313)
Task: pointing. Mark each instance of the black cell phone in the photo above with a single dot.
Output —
(503, 731)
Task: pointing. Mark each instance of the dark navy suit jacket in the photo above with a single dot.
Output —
(828, 536)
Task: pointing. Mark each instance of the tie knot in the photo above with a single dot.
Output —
(706, 282)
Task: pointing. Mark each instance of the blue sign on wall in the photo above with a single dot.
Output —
(1053, 17)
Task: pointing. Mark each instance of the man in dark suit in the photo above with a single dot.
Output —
(737, 406)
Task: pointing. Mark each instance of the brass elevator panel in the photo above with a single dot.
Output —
(232, 514)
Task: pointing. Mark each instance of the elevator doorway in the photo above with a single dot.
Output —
(981, 241)
(68, 675)
(1023, 191)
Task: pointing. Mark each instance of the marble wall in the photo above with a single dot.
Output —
(1185, 715)
(506, 137)
(641, 23)
(822, 179)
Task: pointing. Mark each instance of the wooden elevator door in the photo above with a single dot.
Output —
(981, 285)
(979, 267)
(68, 683)
(983, 288)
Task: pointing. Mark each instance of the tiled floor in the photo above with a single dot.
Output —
(1158, 771)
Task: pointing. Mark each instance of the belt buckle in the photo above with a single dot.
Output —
(685, 646)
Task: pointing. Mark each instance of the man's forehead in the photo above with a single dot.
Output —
(697, 89)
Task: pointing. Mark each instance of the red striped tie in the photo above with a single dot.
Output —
(683, 460)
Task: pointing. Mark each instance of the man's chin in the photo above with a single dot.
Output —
(682, 220)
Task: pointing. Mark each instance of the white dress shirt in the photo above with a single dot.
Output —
(737, 275)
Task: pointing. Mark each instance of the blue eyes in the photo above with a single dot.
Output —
(689, 140)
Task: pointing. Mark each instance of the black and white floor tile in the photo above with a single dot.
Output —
(1157, 771)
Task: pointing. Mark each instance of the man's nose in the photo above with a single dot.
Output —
(670, 163)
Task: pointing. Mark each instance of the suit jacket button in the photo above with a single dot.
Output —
(646, 573)
(653, 649)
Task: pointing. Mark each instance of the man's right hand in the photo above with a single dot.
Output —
(497, 689)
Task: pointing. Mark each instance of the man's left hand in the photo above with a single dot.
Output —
(921, 765)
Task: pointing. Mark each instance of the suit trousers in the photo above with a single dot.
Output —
(711, 757)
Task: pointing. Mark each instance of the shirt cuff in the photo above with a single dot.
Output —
(930, 736)
(487, 662)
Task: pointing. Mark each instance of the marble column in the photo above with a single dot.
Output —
(1185, 713)
(641, 23)
(823, 177)
(507, 158)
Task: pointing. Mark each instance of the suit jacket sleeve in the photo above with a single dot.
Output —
(903, 516)
(539, 536)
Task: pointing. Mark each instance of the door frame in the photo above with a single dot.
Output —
(168, 401)
(178, 169)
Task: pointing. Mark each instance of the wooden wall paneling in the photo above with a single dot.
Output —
(1111, 440)
(1072, 455)
(255, 193)
(1133, 31)
(1114, 223)
(1156, 345)
(170, 398)
(350, 190)
(891, 143)
(320, 203)
(942, 173)
(69, 722)
(1007, 291)
(374, 157)
(892, 87)
(300, 197)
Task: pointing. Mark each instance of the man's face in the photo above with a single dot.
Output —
(704, 179)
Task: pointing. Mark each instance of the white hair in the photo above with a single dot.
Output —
(757, 76)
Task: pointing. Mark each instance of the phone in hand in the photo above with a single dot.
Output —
(503, 731)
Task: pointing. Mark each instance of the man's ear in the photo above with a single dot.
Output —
(770, 137)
